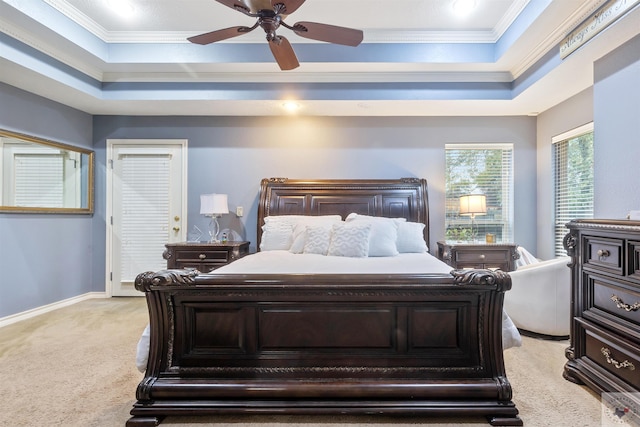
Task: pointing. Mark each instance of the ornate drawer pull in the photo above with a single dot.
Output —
(603, 253)
(622, 305)
(626, 364)
(202, 256)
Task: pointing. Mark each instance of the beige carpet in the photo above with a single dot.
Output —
(75, 367)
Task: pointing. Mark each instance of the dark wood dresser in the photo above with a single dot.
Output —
(204, 257)
(501, 256)
(604, 352)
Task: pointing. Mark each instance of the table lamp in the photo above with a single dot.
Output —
(213, 205)
(472, 205)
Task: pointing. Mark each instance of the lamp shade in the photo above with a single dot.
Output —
(473, 204)
(213, 204)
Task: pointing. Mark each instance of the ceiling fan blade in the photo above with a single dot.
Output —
(216, 36)
(236, 5)
(329, 33)
(283, 53)
(290, 6)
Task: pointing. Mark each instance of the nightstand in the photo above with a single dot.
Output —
(461, 255)
(204, 257)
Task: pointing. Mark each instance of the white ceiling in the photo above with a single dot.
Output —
(417, 57)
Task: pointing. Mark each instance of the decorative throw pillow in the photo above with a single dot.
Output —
(384, 233)
(411, 238)
(317, 240)
(299, 236)
(277, 231)
(350, 240)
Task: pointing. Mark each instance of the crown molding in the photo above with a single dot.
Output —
(50, 49)
(312, 77)
(553, 39)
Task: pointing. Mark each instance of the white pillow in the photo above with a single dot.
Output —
(299, 236)
(350, 240)
(317, 240)
(277, 231)
(411, 238)
(384, 233)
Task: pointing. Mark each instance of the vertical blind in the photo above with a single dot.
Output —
(479, 169)
(145, 212)
(573, 183)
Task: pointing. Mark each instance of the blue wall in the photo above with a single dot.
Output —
(44, 258)
(232, 154)
(617, 131)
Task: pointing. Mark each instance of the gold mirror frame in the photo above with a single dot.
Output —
(82, 177)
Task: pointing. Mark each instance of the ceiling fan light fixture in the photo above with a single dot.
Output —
(463, 7)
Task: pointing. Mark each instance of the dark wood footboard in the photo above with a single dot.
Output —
(314, 344)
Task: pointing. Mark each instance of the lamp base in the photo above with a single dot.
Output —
(214, 229)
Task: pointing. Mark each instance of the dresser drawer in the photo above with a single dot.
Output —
(633, 247)
(604, 254)
(620, 302)
(615, 356)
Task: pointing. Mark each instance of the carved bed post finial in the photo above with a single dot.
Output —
(479, 277)
(145, 280)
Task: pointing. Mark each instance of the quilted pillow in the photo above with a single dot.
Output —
(277, 231)
(384, 233)
(317, 240)
(411, 237)
(350, 240)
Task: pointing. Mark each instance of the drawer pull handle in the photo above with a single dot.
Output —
(603, 253)
(202, 256)
(482, 256)
(622, 305)
(619, 365)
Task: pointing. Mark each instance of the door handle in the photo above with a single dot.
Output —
(176, 228)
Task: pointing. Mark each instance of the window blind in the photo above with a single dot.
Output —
(573, 183)
(38, 180)
(145, 212)
(484, 169)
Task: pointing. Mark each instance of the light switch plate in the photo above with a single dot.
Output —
(239, 210)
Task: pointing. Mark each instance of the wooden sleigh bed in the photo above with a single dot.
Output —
(414, 344)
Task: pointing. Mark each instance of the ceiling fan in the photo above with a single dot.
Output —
(271, 14)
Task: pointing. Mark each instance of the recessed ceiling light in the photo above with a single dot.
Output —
(121, 7)
(291, 106)
(463, 7)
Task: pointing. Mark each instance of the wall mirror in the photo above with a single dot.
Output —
(41, 176)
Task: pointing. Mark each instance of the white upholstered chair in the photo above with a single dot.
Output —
(540, 298)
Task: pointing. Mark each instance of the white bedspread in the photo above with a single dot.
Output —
(285, 262)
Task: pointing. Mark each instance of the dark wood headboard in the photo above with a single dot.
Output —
(393, 198)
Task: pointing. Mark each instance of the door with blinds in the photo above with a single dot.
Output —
(147, 204)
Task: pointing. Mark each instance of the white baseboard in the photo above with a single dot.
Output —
(5, 321)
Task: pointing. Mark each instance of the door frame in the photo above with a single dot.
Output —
(152, 143)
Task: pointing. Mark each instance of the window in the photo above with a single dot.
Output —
(479, 169)
(572, 180)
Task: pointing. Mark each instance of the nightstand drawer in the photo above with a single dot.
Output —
(203, 255)
(604, 254)
(461, 255)
(483, 257)
(613, 355)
